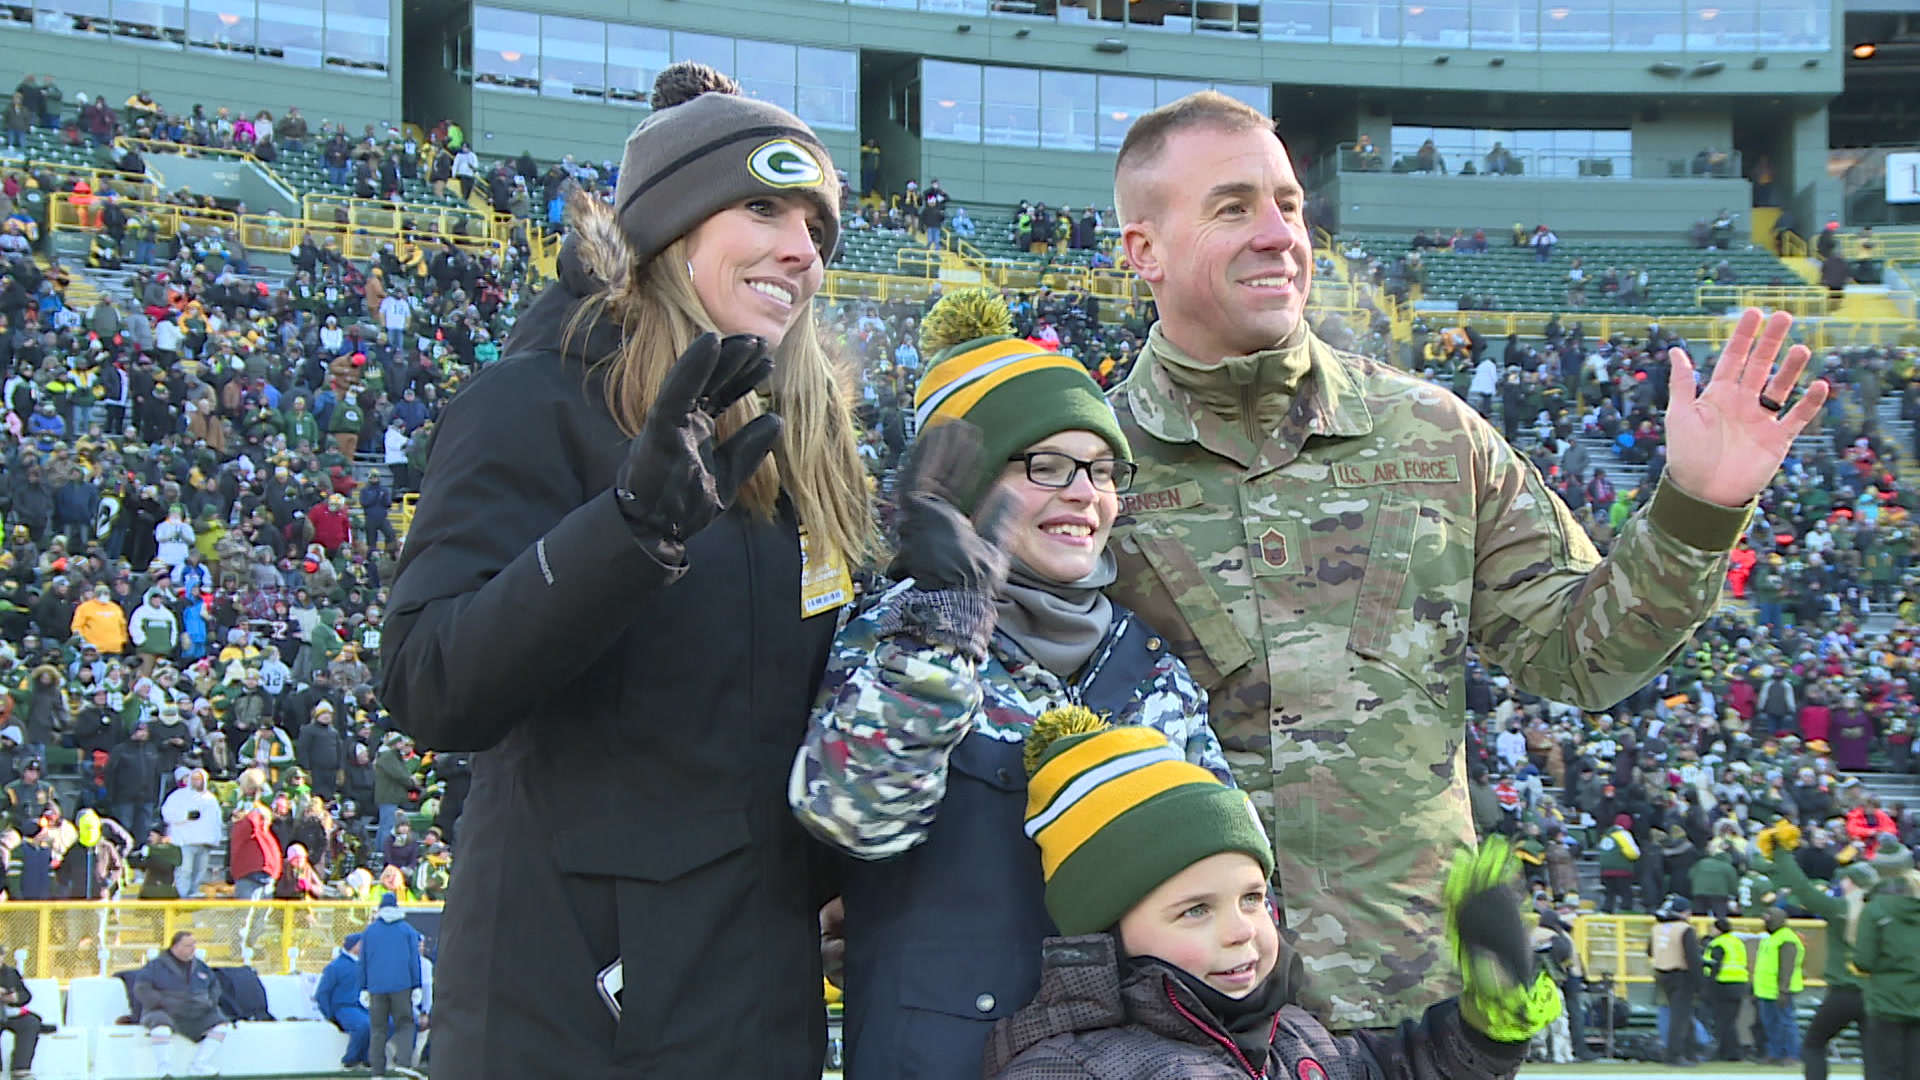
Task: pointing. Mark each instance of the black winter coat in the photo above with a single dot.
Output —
(133, 773)
(634, 726)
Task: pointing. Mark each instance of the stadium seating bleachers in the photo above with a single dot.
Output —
(1519, 282)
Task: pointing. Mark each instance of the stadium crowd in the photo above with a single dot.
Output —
(194, 568)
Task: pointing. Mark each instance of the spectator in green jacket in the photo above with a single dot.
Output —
(1886, 946)
(1842, 1006)
(394, 784)
(1713, 880)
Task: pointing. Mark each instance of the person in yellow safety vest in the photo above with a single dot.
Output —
(1727, 963)
(1675, 949)
(1778, 974)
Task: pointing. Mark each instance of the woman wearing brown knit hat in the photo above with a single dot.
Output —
(621, 585)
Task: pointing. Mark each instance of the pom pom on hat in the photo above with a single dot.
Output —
(964, 316)
(1014, 391)
(1056, 724)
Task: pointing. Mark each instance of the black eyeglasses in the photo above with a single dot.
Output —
(1050, 469)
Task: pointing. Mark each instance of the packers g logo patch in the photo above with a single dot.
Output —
(784, 163)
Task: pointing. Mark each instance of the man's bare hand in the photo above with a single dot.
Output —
(1724, 442)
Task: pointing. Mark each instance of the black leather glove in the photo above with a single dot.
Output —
(938, 546)
(956, 565)
(675, 481)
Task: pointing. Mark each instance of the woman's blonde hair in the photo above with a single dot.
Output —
(816, 459)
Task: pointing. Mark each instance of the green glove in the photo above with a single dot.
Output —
(1504, 997)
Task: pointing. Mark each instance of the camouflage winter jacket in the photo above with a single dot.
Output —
(892, 707)
(1091, 1022)
(1320, 548)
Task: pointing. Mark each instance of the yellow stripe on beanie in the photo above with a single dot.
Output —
(1055, 774)
(1099, 807)
(958, 366)
(962, 401)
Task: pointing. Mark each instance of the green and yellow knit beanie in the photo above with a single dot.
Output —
(1116, 811)
(1014, 391)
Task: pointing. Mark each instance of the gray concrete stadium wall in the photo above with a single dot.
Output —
(179, 79)
(1376, 201)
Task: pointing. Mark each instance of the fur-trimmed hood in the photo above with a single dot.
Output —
(596, 256)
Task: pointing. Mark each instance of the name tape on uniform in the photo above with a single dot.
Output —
(1182, 497)
(1404, 470)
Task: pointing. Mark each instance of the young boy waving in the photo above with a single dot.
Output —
(1172, 963)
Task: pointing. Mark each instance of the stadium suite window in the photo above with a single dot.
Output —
(765, 70)
(506, 50)
(1505, 24)
(1652, 25)
(1296, 20)
(1366, 22)
(1440, 23)
(1556, 153)
(292, 32)
(950, 101)
(573, 57)
(635, 55)
(1056, 110)
(60, 16)
(1068, 106)
(223, 26)
(710, 49)
(1011, 115)
(357, 34)
(152, 22)
(827, 87)
(1723, 24)
(1122, 100)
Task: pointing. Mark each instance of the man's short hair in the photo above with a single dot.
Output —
(1205, 108)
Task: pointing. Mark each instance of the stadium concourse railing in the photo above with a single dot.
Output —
(124, 184)
(1890, 246)
(70, 939)
(75, 939)
(1615, 946)
(272, 232)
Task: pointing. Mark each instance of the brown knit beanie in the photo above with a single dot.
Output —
(707, 147)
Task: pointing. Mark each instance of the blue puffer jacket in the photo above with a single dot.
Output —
(339, 986)
(389, 954)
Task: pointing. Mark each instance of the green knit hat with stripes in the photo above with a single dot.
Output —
(1116, 811)
(1015, 392)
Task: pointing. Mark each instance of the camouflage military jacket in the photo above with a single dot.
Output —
(873, 770)
(1322, 584)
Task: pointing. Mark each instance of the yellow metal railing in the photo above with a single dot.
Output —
(1886, 245)
(125, 185)
(455, 221)
(65, 213)
(849, 285)
(154, 146)
(1793, 245)
(74, 939)
(1616, 945)
(1793, 299)
(269, 232)
(922, 261)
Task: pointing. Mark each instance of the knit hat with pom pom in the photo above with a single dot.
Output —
(1116, 811)
(1014, 391)
(707, 147)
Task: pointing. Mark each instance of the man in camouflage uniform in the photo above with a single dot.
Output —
(1320, 536)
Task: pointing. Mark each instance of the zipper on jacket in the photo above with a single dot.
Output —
(1078, 688)
(1257, 1074)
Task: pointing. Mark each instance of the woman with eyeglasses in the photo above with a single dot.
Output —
(913, 762)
